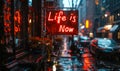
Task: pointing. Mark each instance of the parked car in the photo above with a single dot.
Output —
(84, 41)
(105, 48)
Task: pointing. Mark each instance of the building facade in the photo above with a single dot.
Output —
(107, 12)
(87, 13)
(115, 13)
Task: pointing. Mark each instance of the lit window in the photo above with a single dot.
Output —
(30, 3)
(104, 1)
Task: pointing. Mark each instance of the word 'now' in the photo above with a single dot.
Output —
(63, 28)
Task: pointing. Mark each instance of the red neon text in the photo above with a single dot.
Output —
(17, 17)
(63, 28)
(60, 16)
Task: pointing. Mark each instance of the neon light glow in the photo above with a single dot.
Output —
(17, 22)
(62, 22)
(87, 24)
(60, 17)
(63, 28)
(7, 16)
(17, 17)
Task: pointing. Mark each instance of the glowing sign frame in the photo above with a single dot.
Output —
(62, 22)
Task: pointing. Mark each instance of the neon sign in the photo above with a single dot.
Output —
(17, 17)
(7, 16)
(62, 22)
(63, 28)
(60, 17)
(17, 22)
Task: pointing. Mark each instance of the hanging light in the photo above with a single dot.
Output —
(96, 2)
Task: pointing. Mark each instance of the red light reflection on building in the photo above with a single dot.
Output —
(17, 21)
(17, 17)
(7, 16)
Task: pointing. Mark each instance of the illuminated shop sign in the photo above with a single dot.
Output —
(62, 22)
(17, 21)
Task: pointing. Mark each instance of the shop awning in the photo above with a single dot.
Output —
(114, 28)
(104, 28)
(100, 29)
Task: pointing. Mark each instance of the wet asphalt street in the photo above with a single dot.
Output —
(83, 61)
(63, 59)
(66, 62)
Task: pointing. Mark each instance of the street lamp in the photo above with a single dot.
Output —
(106, 18)
(106, 15)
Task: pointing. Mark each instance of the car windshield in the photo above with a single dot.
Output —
(107, 42)
(84, 38)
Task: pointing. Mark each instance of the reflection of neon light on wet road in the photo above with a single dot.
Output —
(65, 48)
(88, 62)
(54, 67)
(65, 44)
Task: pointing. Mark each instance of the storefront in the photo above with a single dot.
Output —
(103, 32)
(14, 37)
(115, 33)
